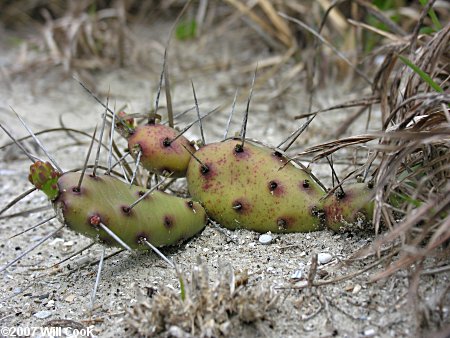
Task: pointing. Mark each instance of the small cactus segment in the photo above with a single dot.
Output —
(252, 187)
(160, 218)
(161, 151)
(124, 124)
(44, 177)
(353, 207)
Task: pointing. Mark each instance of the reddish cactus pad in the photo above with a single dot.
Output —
(44, 177)
(344, 211)
(159, 153)
(160, 218)
(124, 124)
(254, 188)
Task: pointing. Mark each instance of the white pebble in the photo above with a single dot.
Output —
(369, 332)
(298, 274)
(324, 257)
(301, 284)
(42, 314)
(56, 241)
(265, 239)
(356, 289)
(70, 298)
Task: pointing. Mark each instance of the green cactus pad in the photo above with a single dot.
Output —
(254, 188)
(159, 153)
(345, 211)
(160, 218)
(44, 177)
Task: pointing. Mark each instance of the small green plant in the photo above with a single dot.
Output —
(186, 30)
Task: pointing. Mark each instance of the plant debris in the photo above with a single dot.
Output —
(227, 306)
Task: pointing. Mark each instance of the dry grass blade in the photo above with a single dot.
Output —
(17, 199)
(348, 104)
(328, 148)
(279, 30)
(332, 11)
(372, 9)
(26, 212)
(381, 32)
(428, 129)
(279, 24)
(328, 44)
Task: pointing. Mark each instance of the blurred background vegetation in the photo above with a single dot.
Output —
(95, 34)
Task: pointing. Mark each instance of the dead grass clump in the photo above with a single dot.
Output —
(415, 164)
(77, 35)
(83, 38)
(413, 193)
(410, 163)
(228, 307)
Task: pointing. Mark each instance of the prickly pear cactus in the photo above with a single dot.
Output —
(160, 218)
(254, 187)
(161, 149)
(346, 209)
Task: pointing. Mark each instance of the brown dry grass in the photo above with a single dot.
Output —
(410, 163)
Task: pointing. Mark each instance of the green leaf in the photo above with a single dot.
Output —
(422, 74)
(427, 30)
(182, 289)
(396, 199)
(92, 9)
(384, 4)
(186, 30)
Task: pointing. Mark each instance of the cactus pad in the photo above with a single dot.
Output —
(345, 210)
(125, 126)
(254, 187)
(160, 152)
(44, 177)
(160, 218)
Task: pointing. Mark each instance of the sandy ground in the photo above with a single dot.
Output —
(33, 293)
